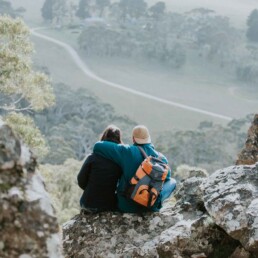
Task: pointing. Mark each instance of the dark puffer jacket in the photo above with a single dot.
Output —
(98, 178)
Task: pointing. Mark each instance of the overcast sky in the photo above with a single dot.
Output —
(237, 10)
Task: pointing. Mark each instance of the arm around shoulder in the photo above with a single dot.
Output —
(111, 150)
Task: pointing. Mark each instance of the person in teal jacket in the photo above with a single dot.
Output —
(129, 157)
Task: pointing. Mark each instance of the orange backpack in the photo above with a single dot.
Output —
(146, 184)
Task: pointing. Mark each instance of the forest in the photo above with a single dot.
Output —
(133, 29)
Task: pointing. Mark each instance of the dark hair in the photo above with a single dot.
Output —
(112, 134)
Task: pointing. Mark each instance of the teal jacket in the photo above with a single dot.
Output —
(128, 157)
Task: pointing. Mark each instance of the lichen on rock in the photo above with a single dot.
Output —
(28, 228)
(249, 154)
(184, 229)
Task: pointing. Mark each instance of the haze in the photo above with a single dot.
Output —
(237, 10)
(198, 90)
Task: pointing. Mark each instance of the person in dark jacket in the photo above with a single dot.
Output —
(99, 177)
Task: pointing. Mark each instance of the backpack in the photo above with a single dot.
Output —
(147, 183)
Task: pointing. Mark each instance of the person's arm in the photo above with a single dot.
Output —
(111, 150)
(83, 175)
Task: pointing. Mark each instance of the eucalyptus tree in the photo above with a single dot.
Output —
(157, 10)
(22, 90)
(47, 10)
(252, 24)
(6, 8)
(55, 11)
(83, 10)
(101, 5)
(132, 8)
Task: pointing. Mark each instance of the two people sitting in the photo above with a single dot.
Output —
(106, 173)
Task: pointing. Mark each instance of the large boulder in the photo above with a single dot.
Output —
(183, 229)
(27, 222)
(249, 155)
(213, 217)
(231, 199)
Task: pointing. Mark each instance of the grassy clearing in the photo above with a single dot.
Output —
(158, 117)
(198, 86)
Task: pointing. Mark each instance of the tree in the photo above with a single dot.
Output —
(63, 188)
(47, 10)
(83, 9)
(60, 12)
(22, 90)
(6, 8)
(101, 5)
(252, 24)
(133, 8)
(158, 10)
(73, 125)
(55, 10)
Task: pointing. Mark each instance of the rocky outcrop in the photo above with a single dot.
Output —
(214, 216)
(249, 155)
(27, 222)
(193, 227)
(231, 199)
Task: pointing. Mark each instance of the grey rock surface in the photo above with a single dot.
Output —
(183, 230)
(27, 222)
(249, 154)
(231, 199)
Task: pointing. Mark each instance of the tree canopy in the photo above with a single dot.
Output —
(22, 90)
(252, 24)
(47, 10)
(83, 9)
(6, 8)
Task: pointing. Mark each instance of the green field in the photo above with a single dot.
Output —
(196, 86)
(158, 117)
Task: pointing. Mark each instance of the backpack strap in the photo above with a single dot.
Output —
(142, 152)
(160, 157)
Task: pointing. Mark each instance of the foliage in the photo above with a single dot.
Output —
(83, 9)
(75, 123)
(56, 11)
(62, 185)
(60, 11)
(158, 10)
(101, 5)
(21, 88)
(252, 24)
(18, 81)
(6, 8)
(210, 147)
(27, 130)
(248, 72)
(132, 8)
(161, 36)
(105, 41)
(47, 10)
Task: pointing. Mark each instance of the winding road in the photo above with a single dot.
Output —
(84, 68)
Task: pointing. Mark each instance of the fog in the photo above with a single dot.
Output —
(237, 10)
(190, 76)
